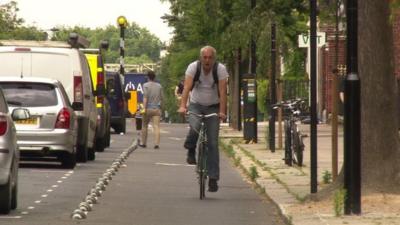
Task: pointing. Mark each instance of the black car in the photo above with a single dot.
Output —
(117, 98)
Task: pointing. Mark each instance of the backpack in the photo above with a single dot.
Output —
(180, 87)
(198, 71)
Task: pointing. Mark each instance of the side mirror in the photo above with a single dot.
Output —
(100, 90)
(77, 106)
(20, 114)
(127, 95)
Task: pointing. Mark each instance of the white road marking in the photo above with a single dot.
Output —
(10, 217)
(25, 213)
(38, 201)
(59, 181)
(176, 138)
(50, 190)
(44, 196)
(64, 177)
(31, 207)
(54, 186)
(173, 164)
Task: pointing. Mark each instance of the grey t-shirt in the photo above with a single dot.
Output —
(153, 92)
(205, 92)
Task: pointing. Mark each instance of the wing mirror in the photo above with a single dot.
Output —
(20, 114)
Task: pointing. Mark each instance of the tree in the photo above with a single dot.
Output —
(379, 132)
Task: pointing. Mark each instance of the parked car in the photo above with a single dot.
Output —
(64, 62)
(9, 156)
(117, 98)
(52, 128)
(96, 63)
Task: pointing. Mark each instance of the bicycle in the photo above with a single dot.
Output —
(201, 149)
(294, 145)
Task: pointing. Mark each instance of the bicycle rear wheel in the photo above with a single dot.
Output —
(298, 147)
(288, 145)
(202, 169)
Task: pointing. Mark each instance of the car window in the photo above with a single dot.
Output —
(3, 104)
(29, 94)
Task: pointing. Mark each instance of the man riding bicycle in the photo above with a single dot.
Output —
(207, 81)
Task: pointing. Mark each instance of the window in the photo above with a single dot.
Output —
(29, 94)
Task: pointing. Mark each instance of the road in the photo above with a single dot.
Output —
(153, 186)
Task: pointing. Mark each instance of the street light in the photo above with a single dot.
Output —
(122, 23)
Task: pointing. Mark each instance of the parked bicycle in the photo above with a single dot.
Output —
(202, 152)
(294, 145)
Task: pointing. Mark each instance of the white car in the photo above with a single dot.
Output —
(51, 129)
(66, 63)
(9, 156)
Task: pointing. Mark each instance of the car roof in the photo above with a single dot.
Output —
(29, 79)
(58, 44)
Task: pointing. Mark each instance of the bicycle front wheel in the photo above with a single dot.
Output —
(298, 147)
(202, 169)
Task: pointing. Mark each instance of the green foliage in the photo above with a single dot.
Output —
(262, 93)
(339, 199)
(327, 177)
(254, 173)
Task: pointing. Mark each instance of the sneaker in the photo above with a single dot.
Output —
(212, 185)
(143, 146)
(156, 147)
(191, 157)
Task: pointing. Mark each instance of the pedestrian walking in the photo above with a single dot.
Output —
(152, 102)
(206, 80)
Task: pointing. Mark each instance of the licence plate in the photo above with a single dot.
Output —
(30, 121)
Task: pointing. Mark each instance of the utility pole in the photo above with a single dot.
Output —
(352, 114)
(122, 23)
(313, 74)
(272, 84)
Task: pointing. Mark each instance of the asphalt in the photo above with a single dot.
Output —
(289, 186)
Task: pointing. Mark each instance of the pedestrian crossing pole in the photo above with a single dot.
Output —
(313, 74)
(122, 23)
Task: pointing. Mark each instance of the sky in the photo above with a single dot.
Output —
(46, 14)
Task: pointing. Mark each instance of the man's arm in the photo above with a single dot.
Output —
(185, 94)
(222, 86)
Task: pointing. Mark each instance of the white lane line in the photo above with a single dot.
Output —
(10, 217)
(173, 164)
(50, 190)
(64, 177)
(44, 196)
(24, 212)
(55, 186)
(31, 207)
(38, 201)
(175, 138)
(59, 181)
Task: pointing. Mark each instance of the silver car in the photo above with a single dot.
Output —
(51, 129)
(9, 156)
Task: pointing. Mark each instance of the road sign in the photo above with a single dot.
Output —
(304, 40)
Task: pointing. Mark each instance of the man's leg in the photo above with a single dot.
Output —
(193, 134)
(212, 125)
(156, 125)
(146, 119)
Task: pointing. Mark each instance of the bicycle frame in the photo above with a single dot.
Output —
(294, 145)
(202, 151)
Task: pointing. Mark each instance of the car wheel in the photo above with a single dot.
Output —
(82, 153)
(14, 196)
(108, 138)
(91, 153)
(100, 144)
(5, 197)
(68, 160)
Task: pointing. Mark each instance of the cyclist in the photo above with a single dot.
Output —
(208, 95)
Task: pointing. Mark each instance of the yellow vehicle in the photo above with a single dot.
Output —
(96, 63)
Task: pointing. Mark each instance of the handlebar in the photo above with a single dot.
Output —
(203, 115)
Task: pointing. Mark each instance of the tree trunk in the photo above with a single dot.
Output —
(380, 167)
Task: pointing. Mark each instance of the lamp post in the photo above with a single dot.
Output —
(122, 23)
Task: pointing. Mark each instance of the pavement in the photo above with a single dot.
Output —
(289, 186)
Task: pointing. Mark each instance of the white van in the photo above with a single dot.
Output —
(64, 62)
